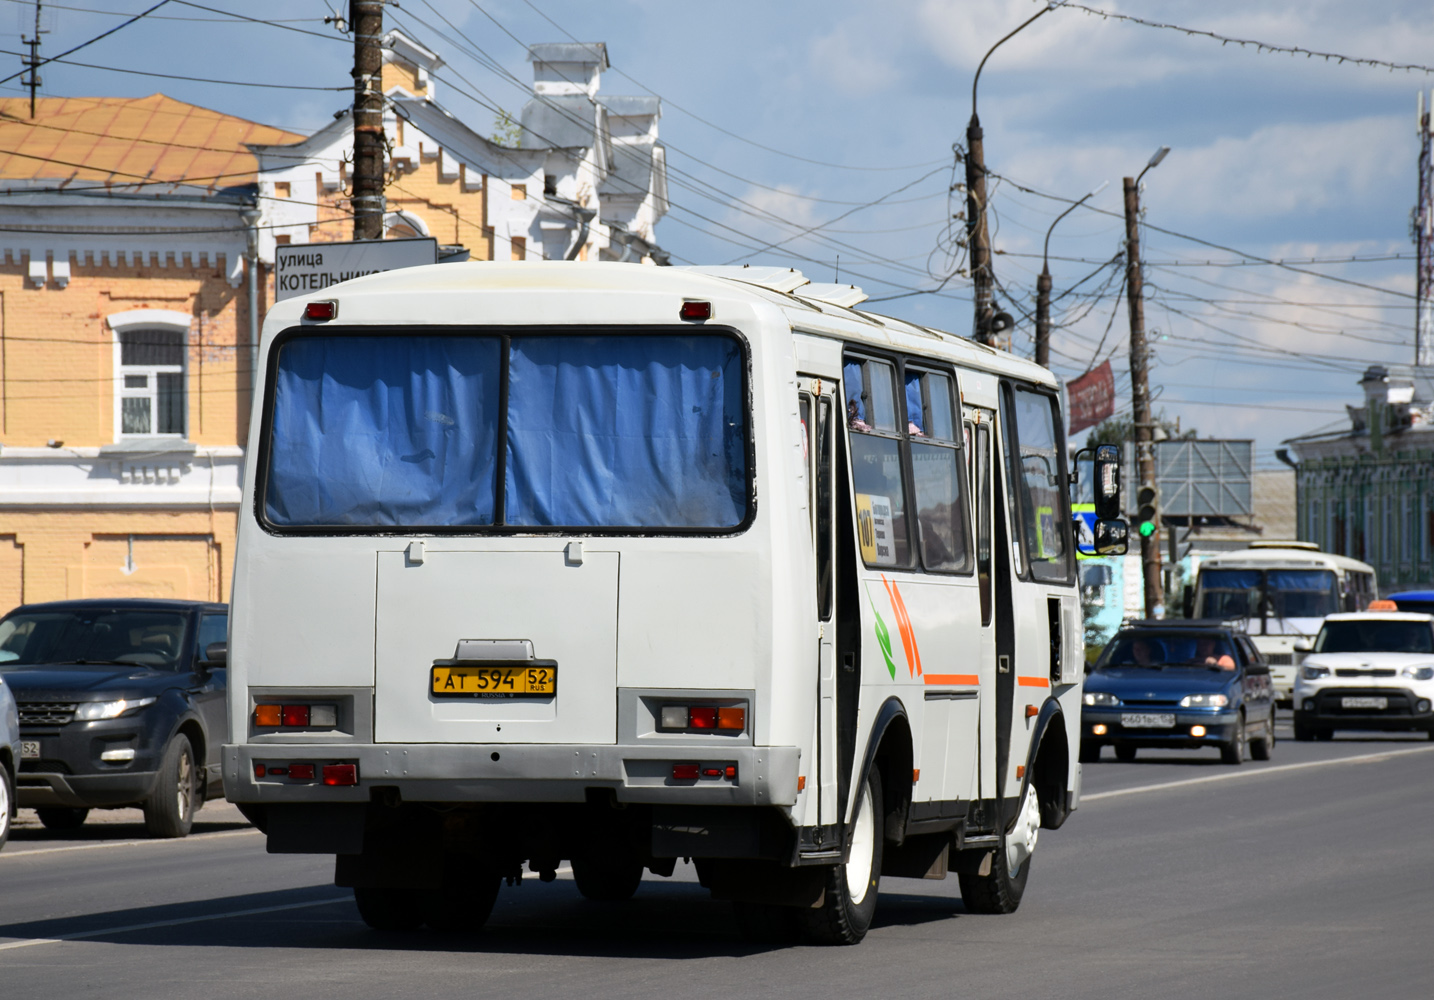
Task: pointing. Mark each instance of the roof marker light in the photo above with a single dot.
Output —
(328, 309)
(696, 310)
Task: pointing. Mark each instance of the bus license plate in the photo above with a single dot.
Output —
(494, 682)
(1147, 720)
(1378, 703)
(29, 749)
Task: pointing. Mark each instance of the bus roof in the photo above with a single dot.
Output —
(825, 310)
(1260, 557)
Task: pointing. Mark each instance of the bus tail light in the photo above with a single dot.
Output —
(341, 774)
(685, 772)
(728, 719)
(297, 716)
(732, 718)
(702, 717)
(301, 772)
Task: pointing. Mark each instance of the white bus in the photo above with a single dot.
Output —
(1282, 591)
(621, 565)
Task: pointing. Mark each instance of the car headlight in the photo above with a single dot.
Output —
(1425, 673)
(90, 711)
(1100, 698)
(1313, 673)
(1204, 701)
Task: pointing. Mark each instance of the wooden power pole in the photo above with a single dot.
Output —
(368, 202)
(1140, 390)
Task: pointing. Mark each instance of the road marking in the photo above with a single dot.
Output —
(198, 839)
(1253, 773)
(80, 935)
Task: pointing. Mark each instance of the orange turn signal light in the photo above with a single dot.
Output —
(268, 715)
(1032, 711)
(731, 718)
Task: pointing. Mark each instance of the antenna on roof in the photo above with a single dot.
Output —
(32, 61)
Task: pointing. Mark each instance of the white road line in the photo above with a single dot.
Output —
(202, 838)
(80, 935)
(1252, 773)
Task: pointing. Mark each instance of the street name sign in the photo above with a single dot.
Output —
(312, 267)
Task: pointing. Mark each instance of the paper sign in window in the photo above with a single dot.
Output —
(873, 524)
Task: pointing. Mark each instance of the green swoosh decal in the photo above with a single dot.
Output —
(883, 637)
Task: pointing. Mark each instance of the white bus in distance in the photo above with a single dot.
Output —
(1281, 591)
(622, 565)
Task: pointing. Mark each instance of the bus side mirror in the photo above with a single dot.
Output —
(1112, 538)
(1105, 469)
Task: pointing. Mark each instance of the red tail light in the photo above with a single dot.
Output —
(296, 715)
(301, 772)
(321, 310)
(341, 774)
(685, 772)
(702, 717)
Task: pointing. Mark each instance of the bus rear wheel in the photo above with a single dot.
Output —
(849, 902)
(388, 909)
(1001, 889)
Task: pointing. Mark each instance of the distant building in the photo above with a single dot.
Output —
(137, 238)
(1368, 491)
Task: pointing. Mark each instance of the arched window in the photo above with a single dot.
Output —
(150, 354)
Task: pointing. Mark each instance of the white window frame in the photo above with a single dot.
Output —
(168, 320)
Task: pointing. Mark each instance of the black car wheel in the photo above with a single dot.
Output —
(169, 810)
(1324, 734)
(1124, 753)
(61, 818)
(1233, 752)
(1304, 732)
(1262, 748)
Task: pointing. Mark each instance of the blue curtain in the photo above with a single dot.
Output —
(374, 431)
(626, 431)
(1301, 579)
(1230, 579)
(916, 422)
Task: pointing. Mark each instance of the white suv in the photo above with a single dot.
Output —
(1370, 670)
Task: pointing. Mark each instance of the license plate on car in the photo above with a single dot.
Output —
(507, 681)
(29, 749)
(1148, 720)
(1377, 703)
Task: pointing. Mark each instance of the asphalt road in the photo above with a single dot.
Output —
(1308, 876)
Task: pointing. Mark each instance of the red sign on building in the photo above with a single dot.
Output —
(1092, 398)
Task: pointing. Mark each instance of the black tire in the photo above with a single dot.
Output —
(61, 818)
(1324, 735)
(1124, 753)
(1233, 752)
(460, 906)
(1304, 732)
(846, 910)
(1263, 748)
(1000, 891)
(607, 878)
(1089, 751)
(169, 810)
(390, 909)
(7, 804)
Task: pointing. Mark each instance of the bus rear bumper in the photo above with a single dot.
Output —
(507, 772)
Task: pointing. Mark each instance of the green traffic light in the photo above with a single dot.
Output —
(1147, 528)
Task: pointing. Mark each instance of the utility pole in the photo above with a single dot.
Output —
(1424, 240)
(1043, 286)
(368, 202)
(32, 63)
(1140, 382)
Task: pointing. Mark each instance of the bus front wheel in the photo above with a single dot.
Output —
(850, 898)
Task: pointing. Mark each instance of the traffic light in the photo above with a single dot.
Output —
(1147, 502)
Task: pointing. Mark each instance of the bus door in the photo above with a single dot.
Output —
(820, 424)
(1034, 546)
(980, 443)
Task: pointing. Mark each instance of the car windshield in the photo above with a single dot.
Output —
(1375, 636)
(1171, 649)
(144, 638)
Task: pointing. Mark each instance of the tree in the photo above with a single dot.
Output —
(506, 132)
(1118, 430)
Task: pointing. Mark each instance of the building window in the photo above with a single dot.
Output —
(519, 247)
(281, 189)
(151, 377)
(1386, 531)
(1314, 522)
(520, 192)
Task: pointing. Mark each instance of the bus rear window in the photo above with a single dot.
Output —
(612, 432)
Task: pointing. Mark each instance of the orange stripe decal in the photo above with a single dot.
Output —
(903, 625)
(1033, 682)
(967, 679)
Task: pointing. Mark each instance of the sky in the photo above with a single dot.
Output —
(832, 128)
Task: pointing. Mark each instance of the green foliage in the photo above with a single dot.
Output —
(506, 132)
(1118, 430)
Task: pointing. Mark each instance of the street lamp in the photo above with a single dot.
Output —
(988, 322)
(1043, 285)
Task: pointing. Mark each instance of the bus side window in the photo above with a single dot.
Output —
(983, 518)
(871, 418)
(936, 473)
(804, 414)
(823, 452)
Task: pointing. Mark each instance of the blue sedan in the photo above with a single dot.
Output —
(1179, 685)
